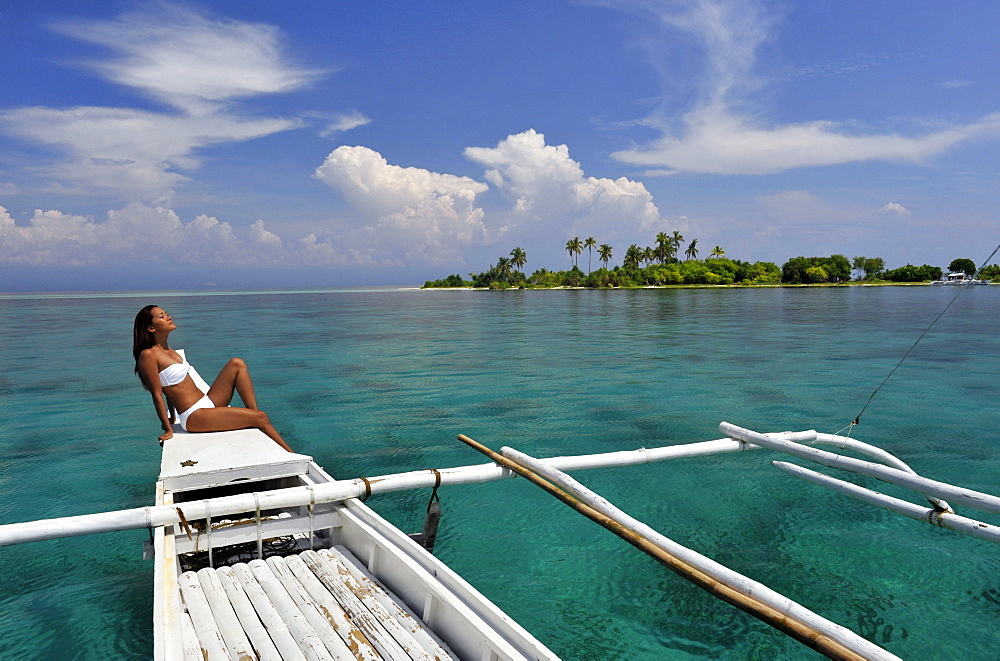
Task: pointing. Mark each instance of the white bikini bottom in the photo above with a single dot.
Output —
(203, 403)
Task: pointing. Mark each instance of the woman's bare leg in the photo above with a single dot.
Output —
(230, 418)
(234, 377)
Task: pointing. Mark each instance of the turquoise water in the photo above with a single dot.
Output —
(379, 381)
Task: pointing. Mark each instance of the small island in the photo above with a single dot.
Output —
(661, 265)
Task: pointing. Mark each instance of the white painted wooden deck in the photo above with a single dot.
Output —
(315, 605)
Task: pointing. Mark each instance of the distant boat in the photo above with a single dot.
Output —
(960, 279)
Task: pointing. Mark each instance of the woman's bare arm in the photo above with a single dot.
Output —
(149, 369)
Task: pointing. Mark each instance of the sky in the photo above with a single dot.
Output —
(256, 144)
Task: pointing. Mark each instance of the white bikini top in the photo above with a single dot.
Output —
(173, 374)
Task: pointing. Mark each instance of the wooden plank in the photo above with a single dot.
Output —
(388, 636)
(167, 634)
(188, 644)
(406, 617)
(249, 620)
(269, 616)
(310, 609)
(246, 531)
(457, 610)
(196, 460)
(308, 641)
(351, 634)
(205, 626)
(232, 631)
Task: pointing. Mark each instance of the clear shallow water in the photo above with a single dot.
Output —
(375, 382)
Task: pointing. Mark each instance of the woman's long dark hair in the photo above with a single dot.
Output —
(142, 338)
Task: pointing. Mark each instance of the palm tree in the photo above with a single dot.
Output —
(604, 254)
(675, 240)
(691, 251)
(503, 269)
(633, 255)
(574, 247)
(589, 244)
(662, 251)
(648, 255)
(518, 258)
(717, 252)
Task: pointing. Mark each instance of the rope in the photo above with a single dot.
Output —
(857, 420)
(434, 492)
(184, 524)
(208, 527)
(260, 538)
(312, 505)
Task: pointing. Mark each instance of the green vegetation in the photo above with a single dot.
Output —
(868, 268)
(966, 266)
(991, 272)
(816, 270)
(659, 265)
(911, 273)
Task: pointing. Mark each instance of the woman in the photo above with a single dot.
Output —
(166, 372)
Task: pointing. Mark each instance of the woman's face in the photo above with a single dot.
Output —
(161, 321)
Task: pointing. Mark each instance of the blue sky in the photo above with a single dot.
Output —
(256, 144)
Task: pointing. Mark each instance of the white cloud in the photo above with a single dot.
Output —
(345, 122)
(716, 137)
(717, 141)
(134, 234)
(401, 216)
(264, 237)
(131, 153)
(188, 60)
(957, 84)
(408, 213)
(894, 208)
(546, 185)
(413, 215)
(198, 65)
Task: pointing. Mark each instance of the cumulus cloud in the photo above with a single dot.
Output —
(717, 137)
(546, 185)
(895, 208)
(134, 234)
(400, 216)
(198, 65)
(408, 212)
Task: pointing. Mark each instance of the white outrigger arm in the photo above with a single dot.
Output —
(738, 440)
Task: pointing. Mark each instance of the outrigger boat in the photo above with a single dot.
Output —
(261, 554)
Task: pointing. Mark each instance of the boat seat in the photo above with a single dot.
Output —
(212, 459)
(314, 605)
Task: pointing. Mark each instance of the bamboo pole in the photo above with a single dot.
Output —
(974, 499)
(933, 516)
(779, 618)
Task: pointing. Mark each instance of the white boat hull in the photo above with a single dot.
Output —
(455, 615)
